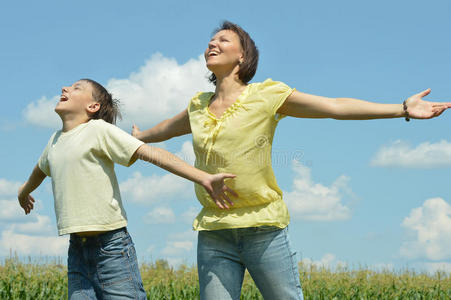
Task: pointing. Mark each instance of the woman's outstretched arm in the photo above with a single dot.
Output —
(175, 126)
(303, 105)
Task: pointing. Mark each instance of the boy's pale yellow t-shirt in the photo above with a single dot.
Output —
(240, 142)
(81, 165)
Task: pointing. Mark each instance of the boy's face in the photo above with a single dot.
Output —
(77, 99)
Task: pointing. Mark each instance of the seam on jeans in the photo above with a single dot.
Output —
(132, 274)
(293, 263)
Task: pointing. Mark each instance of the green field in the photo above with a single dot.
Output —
(47, 280)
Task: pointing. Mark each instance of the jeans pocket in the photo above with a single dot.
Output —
(114, 247)
(114, 264)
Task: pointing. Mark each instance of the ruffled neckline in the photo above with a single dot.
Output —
(230, 110)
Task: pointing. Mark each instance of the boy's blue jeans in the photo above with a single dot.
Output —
(104, 267)
(223, 256)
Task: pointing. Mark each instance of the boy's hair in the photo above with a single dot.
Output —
(109, 107)
(249, 65)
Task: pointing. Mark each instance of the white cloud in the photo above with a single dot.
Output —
(429, 231)
(32, 234)
(27, 234)
(9, 188)
(160, 89)
(176, 248)
(10, 210)
(41, 113)
(328, 261)
(190, 235)
(381, 267)
(155, 188)
(151, 189)
(189, 215)
(175, 262)
(160, 215)
(433, 267)
(187, 153)
(179, 247)
(150, 249)
(41, 225)
(313, 201)
(23, 244)
(425, 155)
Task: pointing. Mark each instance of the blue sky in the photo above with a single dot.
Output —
(372, 193)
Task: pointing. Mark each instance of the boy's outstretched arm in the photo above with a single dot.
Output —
(26, 201)
(213, 183)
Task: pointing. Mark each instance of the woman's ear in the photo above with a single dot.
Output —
(241, 60)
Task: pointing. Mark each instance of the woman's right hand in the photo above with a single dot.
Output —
(136, 132)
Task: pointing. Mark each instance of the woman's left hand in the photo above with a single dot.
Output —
(420, 109)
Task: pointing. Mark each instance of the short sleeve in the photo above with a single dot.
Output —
(194, 102)
(118, 145)
(199, 101)
(43, 162)
(275, 94)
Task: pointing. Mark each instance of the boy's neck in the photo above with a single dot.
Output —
(70, 122)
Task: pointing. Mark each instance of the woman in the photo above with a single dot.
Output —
(233, 129)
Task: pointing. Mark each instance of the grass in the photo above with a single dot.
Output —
(47, 280)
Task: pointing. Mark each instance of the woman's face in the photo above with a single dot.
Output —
(224, 51)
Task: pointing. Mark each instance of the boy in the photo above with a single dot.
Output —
(80, 159)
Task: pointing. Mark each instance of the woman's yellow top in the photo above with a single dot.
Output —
(239, 142)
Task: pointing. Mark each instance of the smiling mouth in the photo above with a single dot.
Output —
(63, 98)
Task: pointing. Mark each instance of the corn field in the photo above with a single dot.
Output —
(47, 280)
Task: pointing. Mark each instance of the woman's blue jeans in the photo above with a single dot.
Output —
(223, 256)
(104, 267)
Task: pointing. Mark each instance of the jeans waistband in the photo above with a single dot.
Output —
(102, 237)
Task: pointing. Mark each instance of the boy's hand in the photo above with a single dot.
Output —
(26, 201)
(217, 189)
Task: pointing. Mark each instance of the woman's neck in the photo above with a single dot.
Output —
(227, 87)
